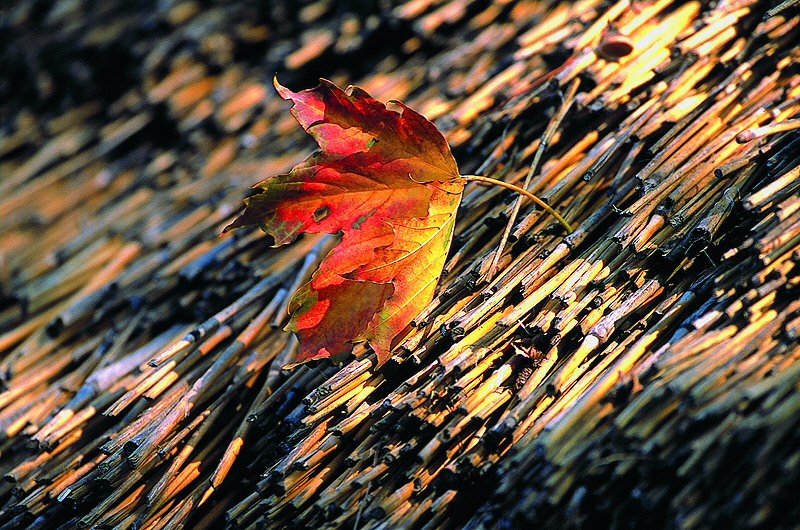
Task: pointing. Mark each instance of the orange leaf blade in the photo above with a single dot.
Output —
(386, 181)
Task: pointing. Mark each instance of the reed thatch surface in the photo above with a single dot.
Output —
(641, 371)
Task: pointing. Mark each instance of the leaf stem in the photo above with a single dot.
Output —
(531, 196)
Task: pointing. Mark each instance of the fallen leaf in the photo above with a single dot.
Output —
(384, 178)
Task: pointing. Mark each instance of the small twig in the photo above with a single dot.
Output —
(569, 97)
(773, 128)
(366, 496)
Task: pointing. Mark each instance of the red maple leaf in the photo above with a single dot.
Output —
(385, 179)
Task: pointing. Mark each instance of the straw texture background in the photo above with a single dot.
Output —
(641, 371)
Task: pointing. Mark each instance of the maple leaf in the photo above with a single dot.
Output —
(385, 179)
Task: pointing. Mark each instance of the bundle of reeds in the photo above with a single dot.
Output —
(640, 370)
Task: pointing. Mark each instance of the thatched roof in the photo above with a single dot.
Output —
(640, 371)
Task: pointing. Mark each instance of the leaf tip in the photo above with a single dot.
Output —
(283, 92)
(292, 365)
(236, 223)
